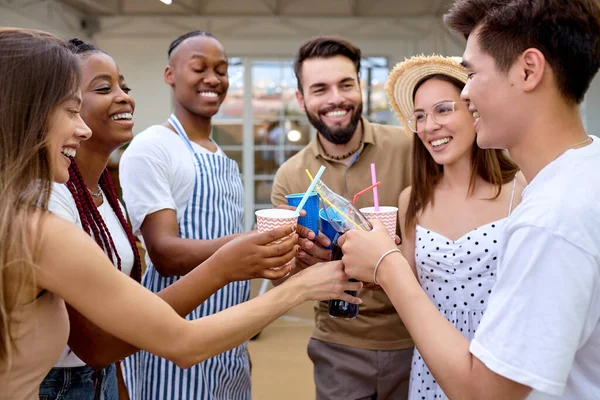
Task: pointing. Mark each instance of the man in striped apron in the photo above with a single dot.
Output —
(179, 185)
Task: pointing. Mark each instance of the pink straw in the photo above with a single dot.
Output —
(375, 193)
(364, 191)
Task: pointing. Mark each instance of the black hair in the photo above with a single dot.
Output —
(175, 43)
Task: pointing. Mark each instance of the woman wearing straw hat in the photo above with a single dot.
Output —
(459, 198)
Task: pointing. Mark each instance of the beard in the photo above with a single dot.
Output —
(340, 135)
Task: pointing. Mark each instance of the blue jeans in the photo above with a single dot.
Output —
(78, 384)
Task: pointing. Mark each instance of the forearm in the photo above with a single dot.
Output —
(175, 256)
(99, 349)
(443, 348)
(232, 327)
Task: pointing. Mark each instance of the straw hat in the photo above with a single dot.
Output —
(403, 78)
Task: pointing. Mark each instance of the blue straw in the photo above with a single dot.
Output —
(310, 190)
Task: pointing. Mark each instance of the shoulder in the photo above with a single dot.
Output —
(391, 135)
(155, 147)
(62, 203)
(153, 141)
(404, 198)
(61, 191)
(564, 204)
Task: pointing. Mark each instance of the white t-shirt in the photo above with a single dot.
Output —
(157, 155)
(62, 204)
(541, 327)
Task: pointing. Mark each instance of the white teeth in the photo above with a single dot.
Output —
(336, 114)
(122, 116)
(209, 94)
(440, 142)
(68, 151)
(476, 114)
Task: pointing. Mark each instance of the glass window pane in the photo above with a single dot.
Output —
(227, 134)
(267, 90)
(233, 105)
(374, 73)
(262, 192)
(282, 133)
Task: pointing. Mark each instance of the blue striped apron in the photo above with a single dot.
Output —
(215, 209)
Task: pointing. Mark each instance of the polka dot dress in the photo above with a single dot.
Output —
(458, 276)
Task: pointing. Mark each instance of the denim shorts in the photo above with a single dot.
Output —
(78, 384)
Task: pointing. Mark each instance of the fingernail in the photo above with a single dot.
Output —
(327, 242)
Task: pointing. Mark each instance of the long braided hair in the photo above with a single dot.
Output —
(91, 220)
(93, 223)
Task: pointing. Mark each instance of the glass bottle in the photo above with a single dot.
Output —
(343, 216)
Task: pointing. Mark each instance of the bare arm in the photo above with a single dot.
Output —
(120, 306)
(171, 254)
(408, 236)
(244, 258)
(443, 347)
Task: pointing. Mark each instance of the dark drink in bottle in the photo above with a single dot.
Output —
(340, 308)
(343, 216)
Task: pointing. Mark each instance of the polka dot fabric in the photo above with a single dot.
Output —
(458, 276)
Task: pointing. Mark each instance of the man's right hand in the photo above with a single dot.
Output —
(312, 246)
(253, 255)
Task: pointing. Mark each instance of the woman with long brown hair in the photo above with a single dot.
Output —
(45, 259)
(460, 195)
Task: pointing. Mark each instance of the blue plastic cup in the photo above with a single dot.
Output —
(311, 219)
(326, 227)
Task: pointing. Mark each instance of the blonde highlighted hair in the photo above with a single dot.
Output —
(37, 74)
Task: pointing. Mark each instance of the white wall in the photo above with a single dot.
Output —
(49, 17)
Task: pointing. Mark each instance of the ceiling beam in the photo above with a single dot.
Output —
(273, 6)
(110, 7)
(199, 6)
(185, 7)
(353, 7)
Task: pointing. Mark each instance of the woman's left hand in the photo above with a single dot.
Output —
(363, 249)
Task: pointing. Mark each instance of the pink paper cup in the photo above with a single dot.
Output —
(387, 215)
(273, 218)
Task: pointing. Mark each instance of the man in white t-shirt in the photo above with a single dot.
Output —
(530, 63)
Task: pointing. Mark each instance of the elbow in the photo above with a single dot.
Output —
(185, 357)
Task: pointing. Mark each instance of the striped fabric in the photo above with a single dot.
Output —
(215, 209)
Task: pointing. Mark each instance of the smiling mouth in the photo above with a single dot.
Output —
(122, 117)
(209, 95)
(476, 114)
(440, 142)
(68, 152)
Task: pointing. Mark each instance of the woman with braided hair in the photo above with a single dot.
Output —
(86, 369)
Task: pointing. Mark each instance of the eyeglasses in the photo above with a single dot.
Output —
(441, 113)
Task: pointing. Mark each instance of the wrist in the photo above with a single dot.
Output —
(294, 292)
(389, 267)
(217, 271)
